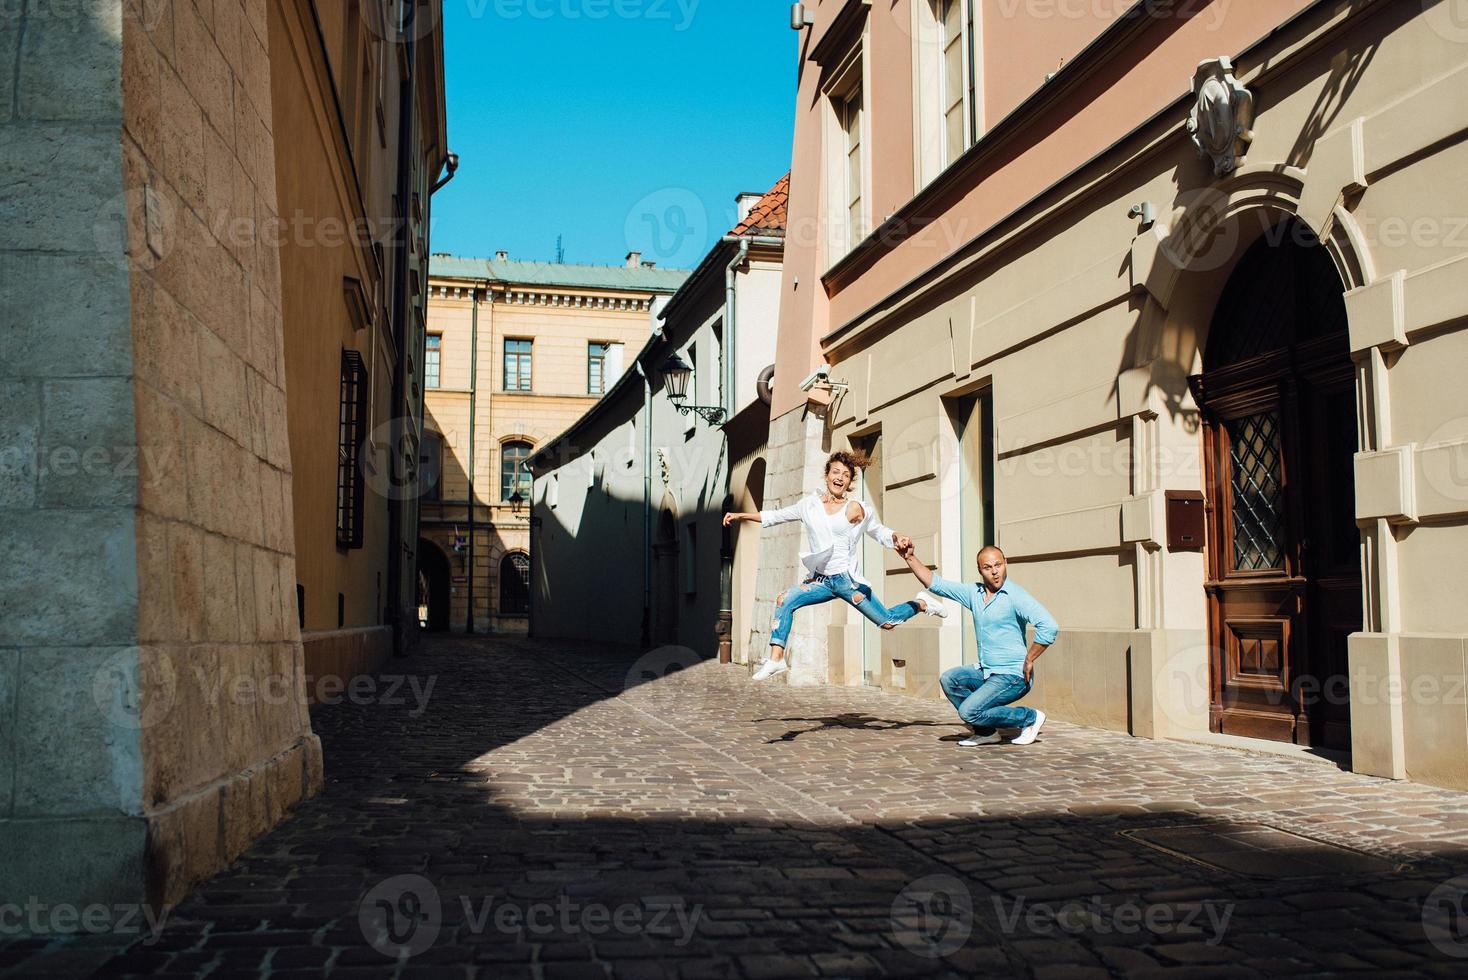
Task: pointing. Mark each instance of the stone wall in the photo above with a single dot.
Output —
(150, 663)
(68, 567)
(335, 657)
(796, 452)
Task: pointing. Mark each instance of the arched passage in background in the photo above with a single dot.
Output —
(434, 584)
(1278, 402)
(515, 584)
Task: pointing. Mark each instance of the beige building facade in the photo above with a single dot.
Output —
(356, 165)
(1174, 325)
(517, 352)
(153, 686)
(629, 500)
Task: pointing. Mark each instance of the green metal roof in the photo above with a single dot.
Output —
(635, 279)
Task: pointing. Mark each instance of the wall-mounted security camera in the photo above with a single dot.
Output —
(1145, 211)
(818, 375)
(800, 17)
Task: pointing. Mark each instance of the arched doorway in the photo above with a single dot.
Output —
(1277, 394)
(434, 580)
(515, 584)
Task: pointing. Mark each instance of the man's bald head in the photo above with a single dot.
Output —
(993, 567)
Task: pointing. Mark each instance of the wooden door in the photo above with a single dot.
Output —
(1255, 588)
(1279, 430)
(1330, 553)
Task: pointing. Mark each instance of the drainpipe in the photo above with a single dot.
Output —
(731, 333)
(473, 404)
(407, 95)
(451, 164)
(730, 272)
(725, 627)
(646, 504)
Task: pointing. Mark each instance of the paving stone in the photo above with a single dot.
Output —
(652, 833)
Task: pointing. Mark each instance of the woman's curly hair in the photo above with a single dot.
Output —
(855, 460)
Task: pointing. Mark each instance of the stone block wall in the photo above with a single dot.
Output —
(796, 452)
(152, 718)
(218, 627)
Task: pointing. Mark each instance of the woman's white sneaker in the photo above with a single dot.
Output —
(932, 605)
(770, 668)
(993, 738)
(1028, 735)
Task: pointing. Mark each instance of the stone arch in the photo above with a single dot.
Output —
(434, 573)
(513, 597)
(1181, 265)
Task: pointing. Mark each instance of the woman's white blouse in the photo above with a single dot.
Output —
(821, 534)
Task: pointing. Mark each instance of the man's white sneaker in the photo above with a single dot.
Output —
(990, 739)
(1028, 735)
(770, 668)
(932, 605)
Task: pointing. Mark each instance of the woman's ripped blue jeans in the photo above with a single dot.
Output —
(824, 588)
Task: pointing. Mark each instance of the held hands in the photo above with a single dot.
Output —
(903, 545)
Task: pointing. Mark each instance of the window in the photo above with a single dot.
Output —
(953, 84)
(847, 209)
(430, 466)
(517, 365)
(603, 367)
(851, 128)
(947, 122)
(351, 430)
(515, 584)
(432, 358)
(513, 474)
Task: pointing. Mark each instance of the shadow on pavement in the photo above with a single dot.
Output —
(447, 844)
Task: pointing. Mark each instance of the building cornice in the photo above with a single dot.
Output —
(842, 33)
(541, 296)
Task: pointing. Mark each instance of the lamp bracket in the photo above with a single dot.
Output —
(712, 414)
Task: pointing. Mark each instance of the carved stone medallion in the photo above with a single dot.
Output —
(1221, 117)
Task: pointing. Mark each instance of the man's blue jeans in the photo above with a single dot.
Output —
(983, 703)
(824, 588)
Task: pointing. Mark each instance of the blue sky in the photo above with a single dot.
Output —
(618, 124)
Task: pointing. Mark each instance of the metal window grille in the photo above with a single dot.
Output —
(1258, 494)
(352, 421)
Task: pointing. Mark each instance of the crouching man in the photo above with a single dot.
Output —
(984, 692)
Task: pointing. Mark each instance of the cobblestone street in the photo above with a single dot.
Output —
(530, 815)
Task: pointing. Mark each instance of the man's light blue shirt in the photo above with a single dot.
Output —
(999, 625)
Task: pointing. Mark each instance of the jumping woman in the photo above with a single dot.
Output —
(834, 523)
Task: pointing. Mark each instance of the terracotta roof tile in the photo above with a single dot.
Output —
(768, 217)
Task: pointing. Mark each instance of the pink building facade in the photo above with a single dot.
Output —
(1159, 298)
